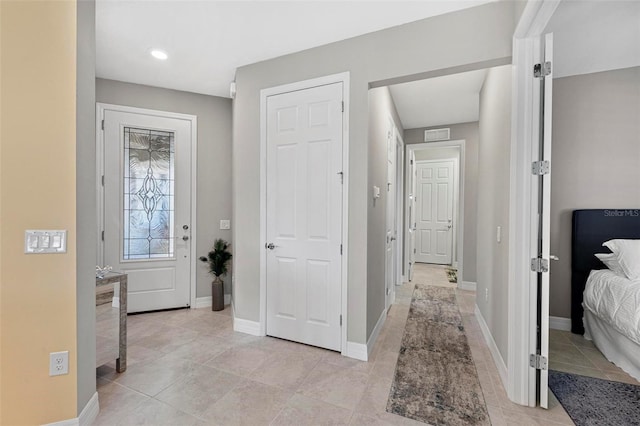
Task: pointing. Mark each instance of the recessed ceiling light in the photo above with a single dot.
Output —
(159, 54)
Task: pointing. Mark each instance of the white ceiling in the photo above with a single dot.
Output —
(443, 100)
(207, 40)
(593, 36)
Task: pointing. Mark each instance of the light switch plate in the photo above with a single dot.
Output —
(225, 224)
(39, 241)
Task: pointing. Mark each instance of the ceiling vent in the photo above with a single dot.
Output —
(437, 135)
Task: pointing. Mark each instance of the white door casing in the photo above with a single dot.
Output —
(148, 182)
(434, 222)
(399, 206)
(304, 190)
(391, 221)
(544, 188)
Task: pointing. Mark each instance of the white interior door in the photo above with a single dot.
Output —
(147, 199)
(304, 215)
(391, 224)
(411, 225)
(434, 222)
(544, 226)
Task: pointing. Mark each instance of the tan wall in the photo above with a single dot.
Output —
(37, 184)
(595, 157)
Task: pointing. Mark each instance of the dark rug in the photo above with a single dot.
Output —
(452, 275)
(436, 381)
(591, 401)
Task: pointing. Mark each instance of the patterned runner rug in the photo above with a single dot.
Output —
(591, 401)
(436, 381)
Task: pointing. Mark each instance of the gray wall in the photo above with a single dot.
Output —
(468, 132)
(86, 201)
(214, 156)
(595, 159)
(464, 40)
(493, 202)
(381, 108)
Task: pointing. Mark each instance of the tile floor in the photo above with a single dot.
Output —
(189, 367)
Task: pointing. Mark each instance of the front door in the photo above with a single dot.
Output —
(147, 205)
(435, 212)
(304, 215)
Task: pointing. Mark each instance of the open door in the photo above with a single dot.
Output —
(540, 264)
(411, 220)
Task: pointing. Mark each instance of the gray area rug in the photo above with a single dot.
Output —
(436, 381)
(591, 401)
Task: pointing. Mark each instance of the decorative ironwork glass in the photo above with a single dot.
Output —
(149, 157)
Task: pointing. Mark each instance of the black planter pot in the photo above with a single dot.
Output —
(217, 294)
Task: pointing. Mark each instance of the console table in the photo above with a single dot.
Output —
(111, 322)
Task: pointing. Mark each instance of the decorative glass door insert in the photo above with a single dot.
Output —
(148, 191)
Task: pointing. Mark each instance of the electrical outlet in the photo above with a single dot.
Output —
(225, 224)
(486, 294)
(58, 363)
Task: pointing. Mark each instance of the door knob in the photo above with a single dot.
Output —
(270, 246)
(393, 238)
(185, 227)
(185, 237)
(554, 257)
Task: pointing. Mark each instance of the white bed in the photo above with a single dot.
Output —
(612, 318)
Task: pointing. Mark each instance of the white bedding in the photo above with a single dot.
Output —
(615, 300)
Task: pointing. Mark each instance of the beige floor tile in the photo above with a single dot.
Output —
(151, 378)
(286, 369)
(385, 364)
(576, 369)
(156, 413)
(196, 393)
(599, 361)
(338, 386)
(335, 358)
(116, 399)
(622, 377)
(570, 354)
(250, 403)
(302, 411)
(241, 360)
(376, 395)
(202, 349)
(170, 339)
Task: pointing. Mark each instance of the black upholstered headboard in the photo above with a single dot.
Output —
(591, 228)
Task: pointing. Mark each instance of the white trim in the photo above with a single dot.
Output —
(207, 301)
(461, 165)
(100, 110)
(493, 348)
(253, 328)
(87, 415)
(343, 78)
(90, 411)
(356, 351)
(467, 285)
(376, 333)
(560, 323)
(521, 386)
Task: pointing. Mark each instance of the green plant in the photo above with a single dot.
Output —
(218, 258)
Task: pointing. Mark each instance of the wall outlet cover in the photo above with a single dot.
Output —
(58, 363)
(225, 224)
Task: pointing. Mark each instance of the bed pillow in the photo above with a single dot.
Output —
(628, 254)
(611, 261)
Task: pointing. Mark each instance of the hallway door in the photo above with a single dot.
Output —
(304, 215)
(435, 184)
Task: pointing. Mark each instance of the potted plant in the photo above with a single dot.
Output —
(218, 260)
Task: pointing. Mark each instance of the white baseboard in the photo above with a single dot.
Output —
(207, 301)
(376, 332)
(467, 285)
(87, 415)
(356, 351)
(245, 326)
(560, 323)
(116, 302)
(493, 348)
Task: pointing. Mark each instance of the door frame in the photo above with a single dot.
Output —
(523, 232)
(458, 200)
(343, 78)
(101, 108)
(400, 184)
